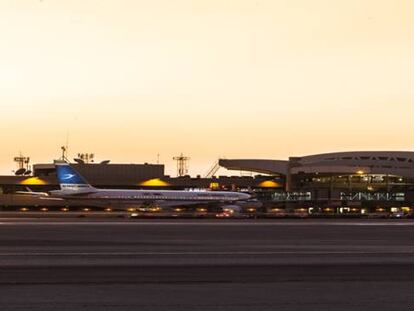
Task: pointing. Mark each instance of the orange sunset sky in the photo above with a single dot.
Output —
(240, 79)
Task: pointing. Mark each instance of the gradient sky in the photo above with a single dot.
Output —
(238, 79)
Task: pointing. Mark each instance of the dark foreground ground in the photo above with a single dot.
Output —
(206, 265)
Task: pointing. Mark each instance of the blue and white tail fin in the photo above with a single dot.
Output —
(70, 180)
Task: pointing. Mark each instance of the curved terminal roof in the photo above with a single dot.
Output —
(400, 163)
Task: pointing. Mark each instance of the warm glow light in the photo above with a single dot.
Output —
(33, 181)
(214, 185)
(156, 182)
(269, 184)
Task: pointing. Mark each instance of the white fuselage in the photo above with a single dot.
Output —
(162, 197)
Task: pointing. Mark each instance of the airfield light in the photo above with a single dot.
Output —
(269, 184)
(33, 181)
(155, 182)
(214, 185)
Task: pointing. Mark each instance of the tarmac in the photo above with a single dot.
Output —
(126, 264)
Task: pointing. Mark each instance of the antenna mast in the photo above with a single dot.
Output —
(182, 165)
(22, 162)
(64, 156)
(65, 149)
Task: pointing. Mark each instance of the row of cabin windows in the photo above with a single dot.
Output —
(165, 197)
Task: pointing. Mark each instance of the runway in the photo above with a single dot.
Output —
(84, 264)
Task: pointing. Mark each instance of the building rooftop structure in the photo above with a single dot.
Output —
(399, 163)
(334, 179)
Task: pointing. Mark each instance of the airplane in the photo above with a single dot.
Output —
(74, 187)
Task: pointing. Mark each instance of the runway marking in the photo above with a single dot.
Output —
(195, 223)
(56, 254)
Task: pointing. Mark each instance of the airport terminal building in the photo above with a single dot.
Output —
(366, 179)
